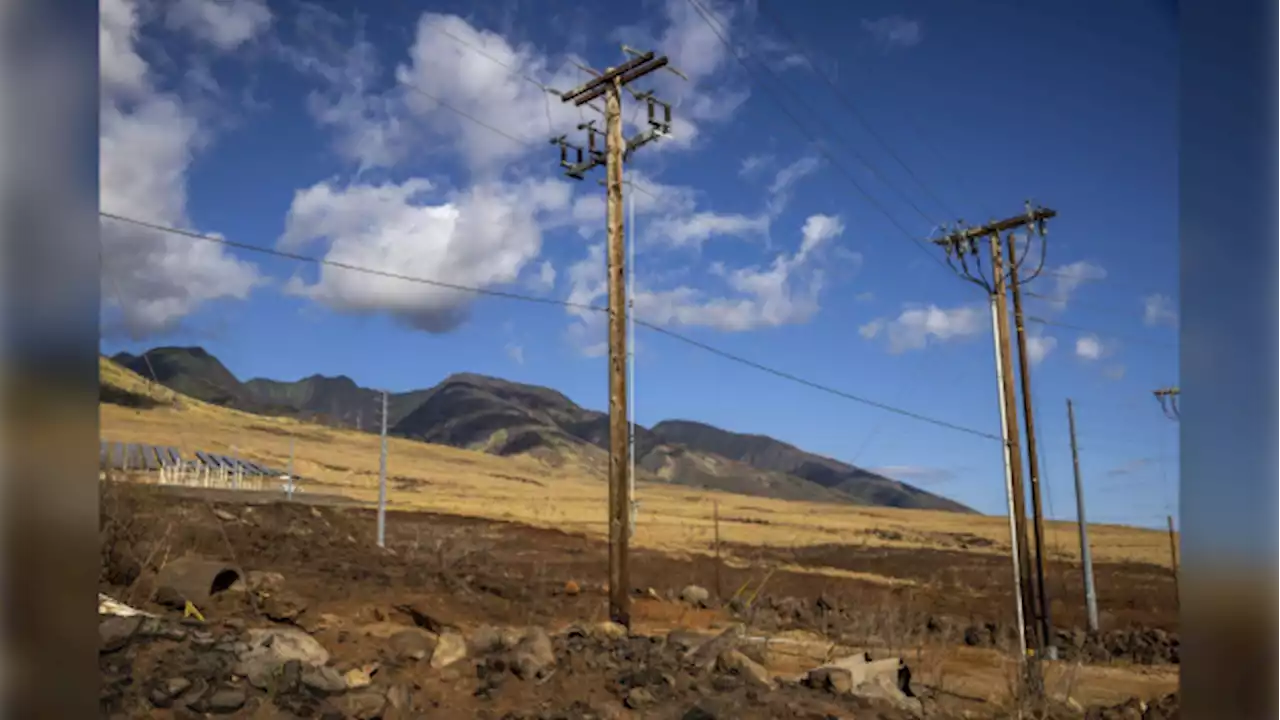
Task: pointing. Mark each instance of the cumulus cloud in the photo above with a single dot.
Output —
(894, 31)
(1158, 309)
(227, 24)
(787, 291)
(1089, 347)
(1067, 279)
(482, 237)
(915, 327)
(146, 145)
(1039, 346)
(515, 351)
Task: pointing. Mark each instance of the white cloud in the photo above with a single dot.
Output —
(752, 164)
(515, 352)
(545, 278)
(785, 292)
(1089, 347)
(1039, 347)
(482, 237)
(894, 31)
(227, 24)
(916, 326)
(146, 144)
(1114, 372)
(1069, 278)
(785, 181)
(1158, 309)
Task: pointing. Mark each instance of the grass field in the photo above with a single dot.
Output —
(671, 518)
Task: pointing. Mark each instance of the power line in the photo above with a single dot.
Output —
(1080, 328)
(820, 146)
(550, 301)
(762, 6)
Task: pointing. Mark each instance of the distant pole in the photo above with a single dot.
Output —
(382, 478)
(1173, 554)
(715, 509)
(289, 482)
(235, 467)
(1086, 558)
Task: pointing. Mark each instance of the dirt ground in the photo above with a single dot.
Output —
(946, 618)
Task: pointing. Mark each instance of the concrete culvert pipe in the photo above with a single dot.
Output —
(193, 579)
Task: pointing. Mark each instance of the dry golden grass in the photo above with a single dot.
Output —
(672, 518)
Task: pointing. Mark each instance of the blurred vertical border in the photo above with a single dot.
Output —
(48, 368)
(1228, 227)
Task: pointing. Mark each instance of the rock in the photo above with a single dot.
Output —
(752, 672)
(638, 698)
(225, 516)
(695, 595)
(972, 636)
(534, 656)
(683, 640)
(423, 617)
(697, 712)
(163, 694)
(115, 632)
(318, 622)
(885, 689)
(837, 681)
(356, 679)
(450, 648)
(485, 639)
(609, 630)
(323, 679)
(225, 700)
(413, 644)
(571, 588)
(282, 606)
(263, 581)
(705, 656)
(365, 705)
(268, 649)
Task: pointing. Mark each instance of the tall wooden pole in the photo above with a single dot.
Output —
(619, 489)
(382, 478)
(1033, 458)
(1015, 452)
(1086, 557)
(997, 335)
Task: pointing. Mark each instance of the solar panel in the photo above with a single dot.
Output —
(204, 458)
(149, 457)
(175, 456)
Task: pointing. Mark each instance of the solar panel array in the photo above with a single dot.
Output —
(139, 456)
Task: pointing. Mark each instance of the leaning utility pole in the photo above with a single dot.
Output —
(382, 478)
(1168, 398)
(962, 245)
(610, 84)
(1086, 557)
(1033, 456)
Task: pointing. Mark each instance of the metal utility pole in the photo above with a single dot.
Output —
(289, 482)
(962, 245)
(1033, 456)
(1086, 557)
(1173, 555)
(610, 85)
(382, 478)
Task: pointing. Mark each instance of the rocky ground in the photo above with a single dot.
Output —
(463, 618)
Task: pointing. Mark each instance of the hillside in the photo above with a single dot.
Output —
(767, 453)
(505, 418)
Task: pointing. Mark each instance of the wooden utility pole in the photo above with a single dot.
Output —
(1168, 398)
(1086, 557)
(962, 246)
(1009, 397)
(1045, 628)
(610, 84)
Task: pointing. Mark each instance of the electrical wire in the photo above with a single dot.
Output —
(820, 146)
(560, 303)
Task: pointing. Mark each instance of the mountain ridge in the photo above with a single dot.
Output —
(503, 417)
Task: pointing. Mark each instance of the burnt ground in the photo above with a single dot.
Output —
(473, 573)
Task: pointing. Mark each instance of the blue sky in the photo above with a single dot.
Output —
(336, 130)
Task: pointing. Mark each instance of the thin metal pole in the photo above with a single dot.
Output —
(289, 482)
(1173, 555)
(235, 467)
(382, 478)
(1086, 557)
(1014, 540)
